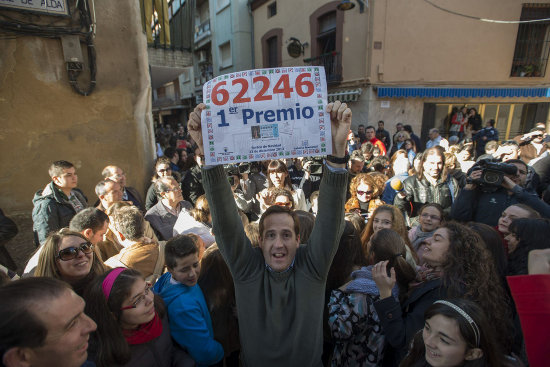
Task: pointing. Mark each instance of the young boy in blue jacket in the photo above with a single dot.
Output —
(190, 323)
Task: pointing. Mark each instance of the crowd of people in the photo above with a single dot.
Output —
(388, 252)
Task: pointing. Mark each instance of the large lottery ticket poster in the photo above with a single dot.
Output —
(266, 114)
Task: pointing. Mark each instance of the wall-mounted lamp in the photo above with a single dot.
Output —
(347, 5)
(295, 48)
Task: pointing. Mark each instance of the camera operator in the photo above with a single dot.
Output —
(313, 171)
(491, 188)
(245, 184)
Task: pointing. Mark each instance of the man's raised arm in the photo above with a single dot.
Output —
(329, 224)
(226, 223)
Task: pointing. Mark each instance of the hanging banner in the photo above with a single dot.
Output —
(266, 114)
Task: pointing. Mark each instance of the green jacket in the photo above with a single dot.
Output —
(52, 210)
(280, 314)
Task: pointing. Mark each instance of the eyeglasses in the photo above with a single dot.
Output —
(287, 204)
(71, 253)
(174, 189)
(359, 192)
(432, 217)
(140, 298)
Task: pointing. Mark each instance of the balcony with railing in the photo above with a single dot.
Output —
(169, 41)
(205, 73)
(202, 31)
(332, 62)
(532, 42)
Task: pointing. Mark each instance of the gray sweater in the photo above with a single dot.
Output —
(280, 314)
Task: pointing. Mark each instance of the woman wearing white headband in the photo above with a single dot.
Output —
(457, 265)
(455, 333)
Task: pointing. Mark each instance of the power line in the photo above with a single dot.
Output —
(487, 20)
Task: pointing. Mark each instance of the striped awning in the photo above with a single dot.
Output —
(436, 92)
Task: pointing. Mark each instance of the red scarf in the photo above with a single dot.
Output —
(145, 332)
(424, 274)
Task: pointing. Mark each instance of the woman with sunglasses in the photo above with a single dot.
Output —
(162, 169)
(69, 256)
(365, 195)
(132, 324)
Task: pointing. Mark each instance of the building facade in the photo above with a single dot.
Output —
(411, 62)
(218, 35)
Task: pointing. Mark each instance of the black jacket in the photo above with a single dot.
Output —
(486, 207)
(419, 192)
(191, 185)
(52, 210)
(401, 322)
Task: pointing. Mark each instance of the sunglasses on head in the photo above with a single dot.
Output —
(71, 253)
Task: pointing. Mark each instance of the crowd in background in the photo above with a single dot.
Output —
(435, 266)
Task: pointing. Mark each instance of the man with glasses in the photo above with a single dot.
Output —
(162, 169)
(486, 204)
(58, 202)
(116, 174)
(164, 214)
(108, 192)
(42, 323)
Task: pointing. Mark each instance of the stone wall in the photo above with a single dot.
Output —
(42, 119)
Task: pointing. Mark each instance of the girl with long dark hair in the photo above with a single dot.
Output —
(132, 324)
(457, 265)
(278, 176)
(456, 333)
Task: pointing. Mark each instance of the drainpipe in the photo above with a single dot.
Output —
(369, 41)
(249, 4)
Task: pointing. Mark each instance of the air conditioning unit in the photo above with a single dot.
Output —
(202, 57)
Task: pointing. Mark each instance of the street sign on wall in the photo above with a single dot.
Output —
(50, 7)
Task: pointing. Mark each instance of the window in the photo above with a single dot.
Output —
(326, 29)
(225, 55)
(326, 38)
(272, 54)
(272, 9)
(186, 75)
(532, 42)
(272, 48)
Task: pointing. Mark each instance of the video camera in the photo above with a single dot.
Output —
(315, 167)
(492, 173)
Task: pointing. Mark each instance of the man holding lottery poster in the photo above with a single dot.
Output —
(280, 286)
